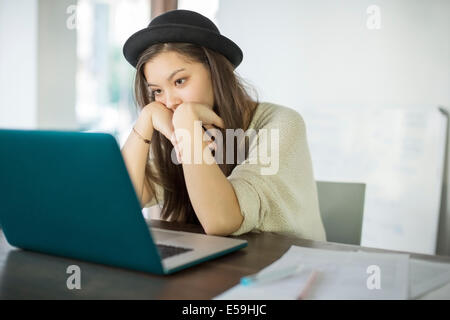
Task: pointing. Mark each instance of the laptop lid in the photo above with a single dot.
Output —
(58, 187)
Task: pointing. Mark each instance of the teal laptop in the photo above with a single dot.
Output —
(69, 194)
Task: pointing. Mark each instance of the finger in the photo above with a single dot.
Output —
(212, 146)
(173, 139)
(211, 132)
(177, 152)
(218, 122)
(211, 118)
(178, 156)
(208, 126)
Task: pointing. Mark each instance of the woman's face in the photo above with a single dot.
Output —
(174, 80)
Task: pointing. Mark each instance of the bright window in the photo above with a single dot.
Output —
(104, 78)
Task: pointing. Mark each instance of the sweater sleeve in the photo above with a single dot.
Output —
(267, 189)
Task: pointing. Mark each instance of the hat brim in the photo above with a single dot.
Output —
(144, 38)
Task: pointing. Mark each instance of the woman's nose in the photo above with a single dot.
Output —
(172, 102)
(174, 107)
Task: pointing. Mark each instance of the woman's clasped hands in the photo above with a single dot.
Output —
(188, 116)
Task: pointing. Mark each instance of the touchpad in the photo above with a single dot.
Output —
(160, 236)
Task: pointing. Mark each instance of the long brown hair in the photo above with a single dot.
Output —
(231, 102)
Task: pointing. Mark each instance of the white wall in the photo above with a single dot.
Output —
(57, 65)
(18, 63)
(308, 53)
(37, 65)
(321, 55)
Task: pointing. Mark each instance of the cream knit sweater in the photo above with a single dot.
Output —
(277, 191)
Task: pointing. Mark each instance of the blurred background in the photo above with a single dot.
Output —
(370, 78)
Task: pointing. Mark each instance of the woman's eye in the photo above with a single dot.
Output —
(178, 81)
(157, 92)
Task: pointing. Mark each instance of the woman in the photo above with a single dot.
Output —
(185, 85)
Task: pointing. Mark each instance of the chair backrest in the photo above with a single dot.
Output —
(342, 209)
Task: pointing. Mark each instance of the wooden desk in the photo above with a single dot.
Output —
(30, 275)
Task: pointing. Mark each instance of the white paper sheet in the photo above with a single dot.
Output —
(428, 276)
(342, 275)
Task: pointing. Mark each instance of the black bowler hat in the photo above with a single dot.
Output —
(181, 26)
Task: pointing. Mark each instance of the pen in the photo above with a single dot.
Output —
(271, 276)
(312, 277)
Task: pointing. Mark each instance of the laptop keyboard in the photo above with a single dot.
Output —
(166, 251)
